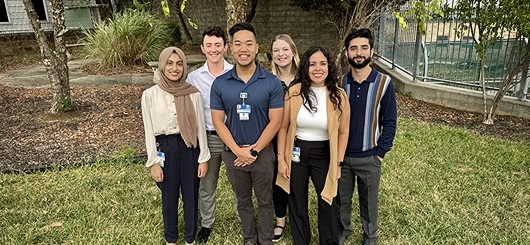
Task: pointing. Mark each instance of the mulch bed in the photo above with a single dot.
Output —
(106, 121)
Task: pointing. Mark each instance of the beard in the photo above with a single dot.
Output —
(360, 65)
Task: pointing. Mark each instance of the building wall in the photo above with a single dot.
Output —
(272, 17)
(19, 22)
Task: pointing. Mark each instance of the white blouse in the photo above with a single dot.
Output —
(159, 116)
(314, 126)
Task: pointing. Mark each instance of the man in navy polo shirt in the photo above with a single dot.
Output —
(372, 129)
(251, 99)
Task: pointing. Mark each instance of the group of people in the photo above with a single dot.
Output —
(273, 131)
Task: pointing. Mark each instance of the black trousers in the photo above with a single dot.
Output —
(180, 177)
(279, 196)
(314, 163)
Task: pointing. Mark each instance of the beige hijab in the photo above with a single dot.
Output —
(181, 90)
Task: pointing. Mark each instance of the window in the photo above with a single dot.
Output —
(3, 11)
(40, 9)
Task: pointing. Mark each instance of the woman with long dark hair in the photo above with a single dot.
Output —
(312, 143)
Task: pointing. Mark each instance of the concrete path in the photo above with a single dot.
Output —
(35, 76)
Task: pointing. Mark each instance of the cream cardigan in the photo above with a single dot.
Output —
(338, 129)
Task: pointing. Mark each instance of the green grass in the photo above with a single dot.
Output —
(440, 185)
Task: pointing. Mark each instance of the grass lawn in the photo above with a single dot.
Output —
(440, 185)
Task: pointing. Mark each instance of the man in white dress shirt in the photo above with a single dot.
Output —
(214, 47)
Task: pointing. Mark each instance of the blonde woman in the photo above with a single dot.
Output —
(285, 64)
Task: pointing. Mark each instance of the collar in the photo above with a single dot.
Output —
(204, 67)
(371, 77)
(259, 73)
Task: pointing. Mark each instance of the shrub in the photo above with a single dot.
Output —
(130, 38)
(175, 33)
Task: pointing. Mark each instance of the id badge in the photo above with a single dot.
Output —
(244, 112)
(244, 116)
(162, 157)
(296, 154)
(243, 108)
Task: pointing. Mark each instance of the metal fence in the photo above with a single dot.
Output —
(447, 57)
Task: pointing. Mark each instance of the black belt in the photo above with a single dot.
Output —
(211, 132)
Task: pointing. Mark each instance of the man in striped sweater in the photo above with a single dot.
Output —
(372, 129)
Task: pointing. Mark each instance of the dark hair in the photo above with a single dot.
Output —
(214, 31)
(362, 32)
(243, 26)
(331, 82)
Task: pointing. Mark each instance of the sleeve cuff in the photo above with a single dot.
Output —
(156, 161)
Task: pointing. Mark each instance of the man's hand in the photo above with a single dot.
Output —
(203, 168)
(156, 173)
(243, 156)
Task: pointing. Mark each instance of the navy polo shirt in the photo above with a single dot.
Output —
(264, 92)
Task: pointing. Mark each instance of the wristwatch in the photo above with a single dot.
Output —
(254, 153)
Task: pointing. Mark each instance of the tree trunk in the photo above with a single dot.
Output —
(56, 72)
(252, 11)
(508, 81)
(61, 66)
(113, 6)
(235, 12)
(488, 120)
(183, 23)
(521, 94)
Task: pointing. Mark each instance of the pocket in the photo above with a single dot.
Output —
(377, 161)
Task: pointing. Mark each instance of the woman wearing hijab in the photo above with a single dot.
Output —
(175, 141)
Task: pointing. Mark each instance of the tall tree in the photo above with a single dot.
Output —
(54, 56)
(236, 11)
(486, 19)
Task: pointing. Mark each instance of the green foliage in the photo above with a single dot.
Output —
(66, 104)
(482, 18)
(518, 16)
(421, 12)
(166, 9)
(175, 32)
(440, 185)
(133, 37)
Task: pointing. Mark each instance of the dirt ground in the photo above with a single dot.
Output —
(106, 122)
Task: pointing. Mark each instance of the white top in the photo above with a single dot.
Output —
(202, 79)
(160, 118)
(314, 126)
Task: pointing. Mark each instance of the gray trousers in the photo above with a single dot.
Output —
(257, 177)
(367, 171)
(208, 184)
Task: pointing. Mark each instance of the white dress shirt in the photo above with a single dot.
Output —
(202, 79)
(160, 118)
